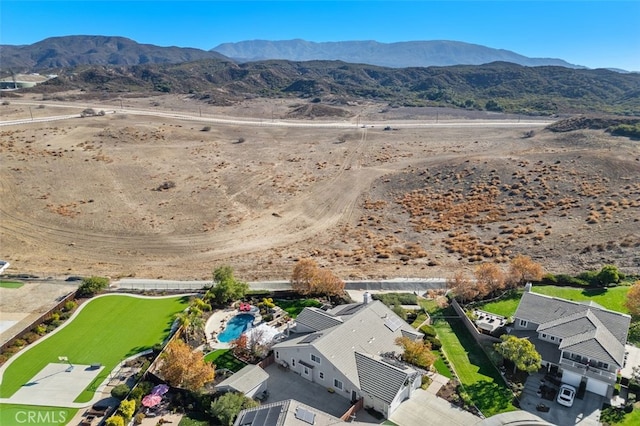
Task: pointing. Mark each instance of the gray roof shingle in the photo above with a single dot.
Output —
(317, 319)
(379, 378)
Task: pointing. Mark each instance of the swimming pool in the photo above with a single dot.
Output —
(235, 327)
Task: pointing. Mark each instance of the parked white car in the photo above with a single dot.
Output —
(566, 395)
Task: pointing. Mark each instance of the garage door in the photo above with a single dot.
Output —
(571, 378)
(597, 387)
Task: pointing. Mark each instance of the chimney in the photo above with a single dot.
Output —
(366, 298)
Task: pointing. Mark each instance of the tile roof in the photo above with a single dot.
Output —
(379, 378)
(248, 378)
(585, 328)
(317, 319)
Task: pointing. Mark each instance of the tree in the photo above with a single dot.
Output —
(226, 287)
(522, 269)
(115, 421)
(127, 408)
(633, 299)
(609, 274)
(521, 352)
(240, 346)
(227, 407)
(91, 286)
(184, 368)
(489, 279)
(309, 278)
(463, 288)
(416, 352)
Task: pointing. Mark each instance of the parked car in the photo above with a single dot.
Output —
(566, 395)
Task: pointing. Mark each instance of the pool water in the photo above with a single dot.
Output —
(235, 327)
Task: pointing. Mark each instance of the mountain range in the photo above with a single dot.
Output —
(393, 55)
(60, 52)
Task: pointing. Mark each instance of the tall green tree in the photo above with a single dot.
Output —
(521, 352)
(226, 408)
(91, 286)
(609, 274)
(226, 287)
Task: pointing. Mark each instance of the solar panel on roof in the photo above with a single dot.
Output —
(248, 418)
(393, 323)
(305, 415)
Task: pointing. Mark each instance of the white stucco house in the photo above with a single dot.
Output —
(582, 342)
(349, 350)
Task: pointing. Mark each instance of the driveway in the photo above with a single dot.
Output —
(426, 408)
(584, 412)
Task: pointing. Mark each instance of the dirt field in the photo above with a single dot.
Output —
(161, 197)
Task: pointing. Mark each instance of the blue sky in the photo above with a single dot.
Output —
(591, 33)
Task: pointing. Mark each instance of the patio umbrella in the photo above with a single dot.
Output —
(151, 400)
(160, 389)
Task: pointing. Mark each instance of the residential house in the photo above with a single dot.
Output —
(351, 351)
(582, 342)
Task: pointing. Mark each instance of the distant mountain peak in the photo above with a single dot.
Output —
(395, 55)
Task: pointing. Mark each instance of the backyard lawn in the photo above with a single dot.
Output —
(107, 330)
(610, 298)
(223, 358)
(479, 377)
(12, 414)
(294, 307)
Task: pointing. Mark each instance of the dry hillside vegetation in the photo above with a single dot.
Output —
(127, 195)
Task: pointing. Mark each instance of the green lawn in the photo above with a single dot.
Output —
(294, 307)
(441, 367)
(223, 358)
(10, 284)
(479, 377)
(610, 298)
(11, 414)
(107, 330)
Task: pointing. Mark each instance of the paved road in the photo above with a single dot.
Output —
(275, 123)
(397, 284)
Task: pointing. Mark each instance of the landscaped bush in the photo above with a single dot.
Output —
(396, 298)
(31, 337)
(120, 391)
(70, 305)
(428, 330)
(91, 286)
(435, 342)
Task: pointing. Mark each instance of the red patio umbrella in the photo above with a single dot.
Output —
(151, 400)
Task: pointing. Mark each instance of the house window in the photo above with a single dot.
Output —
(293, 362)
(523, 323)
(337, 384)
(315, 359)
(544, 336)
(560, 340)
(321, 375)
(306, 371)
(277, 355)
(552, 338)
(603, 365)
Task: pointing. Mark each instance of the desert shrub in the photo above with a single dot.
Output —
(41, 106)
(120, 391)
(31, 337)
(101, 113)
(88, 111)
(206, 129)
(5, 102)
(40, 329)
(629, 130)
(166, 185)
(528, 134)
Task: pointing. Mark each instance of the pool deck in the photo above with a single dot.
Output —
(215, 324)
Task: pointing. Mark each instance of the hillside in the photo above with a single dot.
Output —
(495, 87)
(70, 51)
(394, 55)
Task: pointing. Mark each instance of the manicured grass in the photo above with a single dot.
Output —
(11, 284)
(504, 307)
(223, 358)
(11, 414)
(632, 418)
(611, 298)
(188, 421)
(441, 367)
(107, 330)
(294, 307)
(478, 376)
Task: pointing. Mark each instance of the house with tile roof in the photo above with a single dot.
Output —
(582, 342)
(351, 351)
